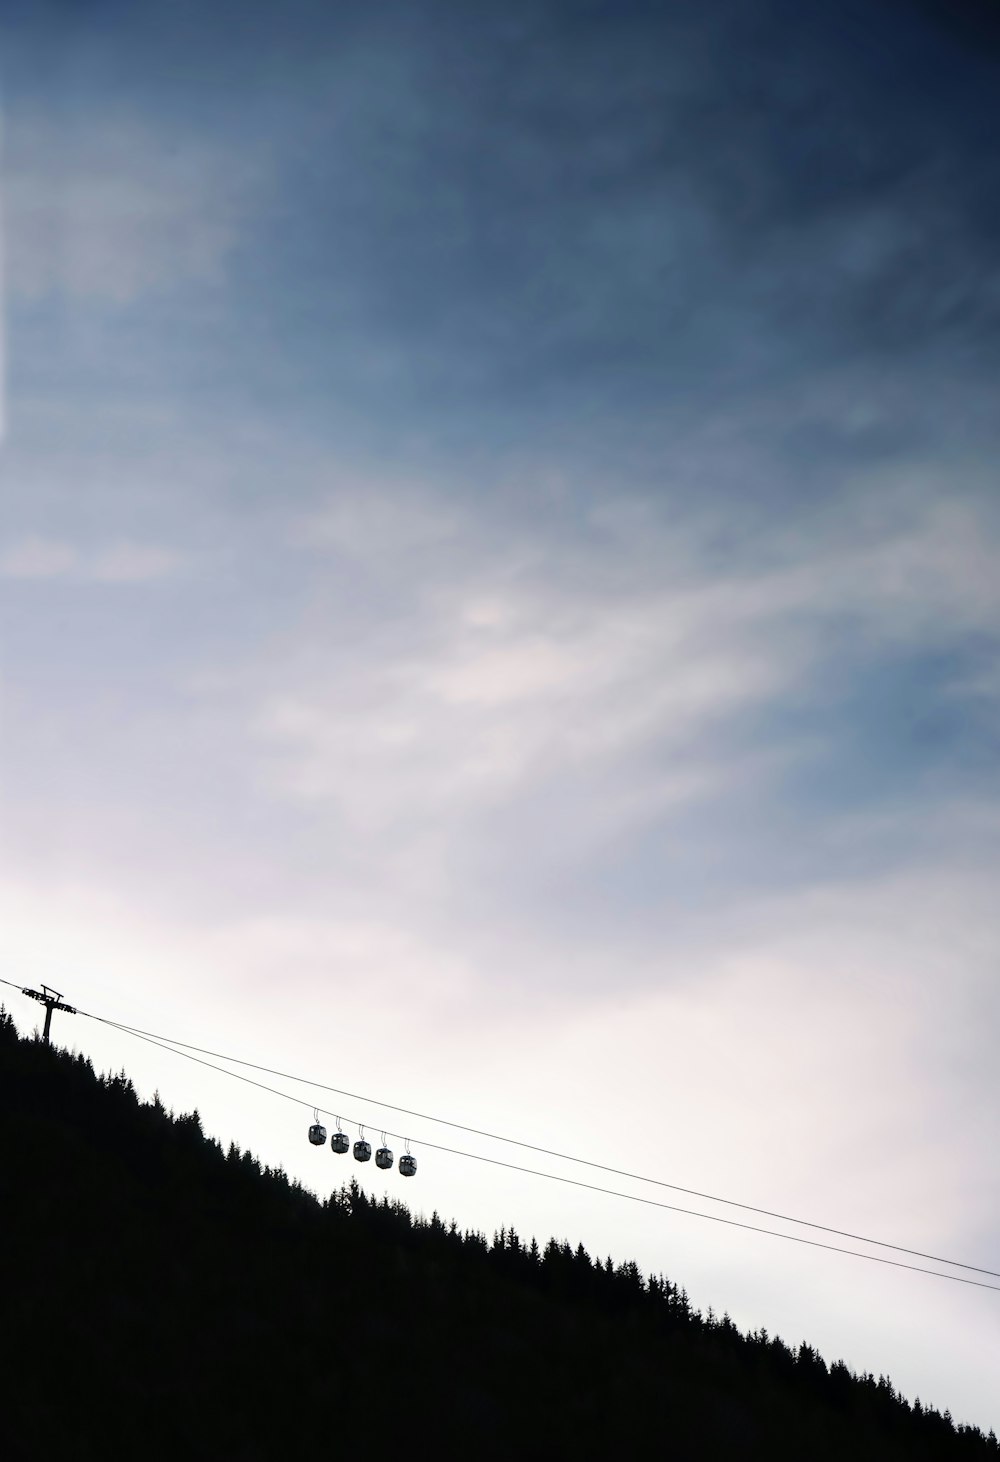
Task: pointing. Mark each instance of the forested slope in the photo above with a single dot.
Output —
(162, 1298)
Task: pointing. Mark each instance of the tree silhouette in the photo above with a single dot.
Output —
(163, 1298)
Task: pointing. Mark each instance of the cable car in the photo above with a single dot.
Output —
(363, 1150)
(340, 1142)
(408, 1165)
(317, 1134)
(383, 1158)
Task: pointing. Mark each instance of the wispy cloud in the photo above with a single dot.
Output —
(116, 563)
(107, 210)
(133, 563)
(521, 660)
(38, 558)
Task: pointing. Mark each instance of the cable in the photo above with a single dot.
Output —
(183, 1047)
(572, 1182)
(562, 1156)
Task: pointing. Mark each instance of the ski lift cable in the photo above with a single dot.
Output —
(183, 1047)
(564, 1156)
(163, 1045)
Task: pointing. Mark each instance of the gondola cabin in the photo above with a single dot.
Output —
(317, 1134)
(340, 1142)
(383, 1158)
(363, 1150)
(408, 1165)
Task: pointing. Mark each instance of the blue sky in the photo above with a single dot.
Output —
(499, 542)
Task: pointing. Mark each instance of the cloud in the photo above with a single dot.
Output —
(496, 679)
(564, 727)
(362, 522)
(118, 563)
(38, 558)
(133, 563)
(107, 209)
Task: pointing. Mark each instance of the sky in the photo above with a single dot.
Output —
(500, 609)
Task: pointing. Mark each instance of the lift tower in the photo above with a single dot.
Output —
(52, 1000)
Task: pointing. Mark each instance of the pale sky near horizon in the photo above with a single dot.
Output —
(501, 612)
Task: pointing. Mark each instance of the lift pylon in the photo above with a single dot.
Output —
(52, 1000)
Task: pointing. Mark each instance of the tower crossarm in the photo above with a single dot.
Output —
(50, 998)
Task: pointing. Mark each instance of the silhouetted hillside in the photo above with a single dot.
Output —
(165, 1299)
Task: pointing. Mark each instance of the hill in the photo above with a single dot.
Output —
(163, 1298)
